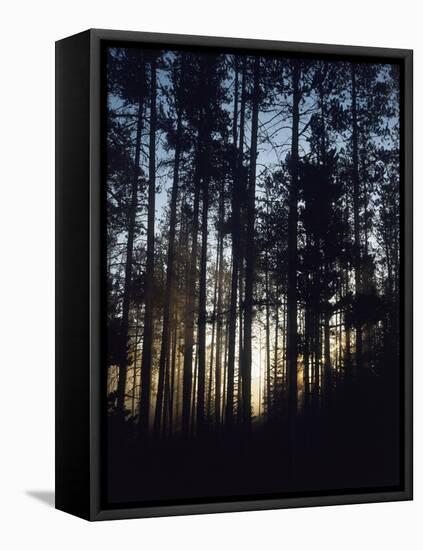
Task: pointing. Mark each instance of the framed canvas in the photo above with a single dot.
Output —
(233, 274)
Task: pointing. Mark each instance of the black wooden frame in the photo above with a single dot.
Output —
(79, 260)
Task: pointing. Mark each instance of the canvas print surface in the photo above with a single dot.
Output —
(253, 209)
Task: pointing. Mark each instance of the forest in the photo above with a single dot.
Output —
(253, 270)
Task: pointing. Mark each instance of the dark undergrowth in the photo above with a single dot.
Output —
(349, 445)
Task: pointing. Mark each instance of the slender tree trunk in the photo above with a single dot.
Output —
(267, 290)
(356, 205)
(240, 338)
(178, 389)
(307, 336)
(166, 391)
(202, 309)
(328, 366)
(275, 351)
(347, 347)
(260, 375)
(268, 375)
(346, 273)
(225, 377)
(219, 330)
(317, 353)
(212, 345)
(326, 269)
(250, 255)
(205, 125)
(236, 244)
(134, 376)
(367, 278)
(149, 271)
(194, 395)
(170, 277)
(173, 373)
(189, 312)
(123, 366)
(292, 250)
(225, 363)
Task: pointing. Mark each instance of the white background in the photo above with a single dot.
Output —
(27, 35)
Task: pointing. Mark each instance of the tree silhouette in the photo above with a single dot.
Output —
(253, 262)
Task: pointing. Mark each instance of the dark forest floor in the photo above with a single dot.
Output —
(350, 445)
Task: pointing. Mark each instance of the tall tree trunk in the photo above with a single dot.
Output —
(202, 308)
(178, 386)
(267, 290)
(242, 193)
(250, 255)
(326, 269)
(307, 337)
(284, 370)
(268, 366)
(173, 371)
(194, 394)
(317, 341)
(205, 125)
(240, 337)
(225, 360)
(236, 245)
(189, 311)
(124, 329)
(134, 374)
(219, 329)
(166, 400)
(346, 278)
(328, 366)
(149, 270)
(356, 206)
(170, 277)
(292, 250)
(213, 338)
(225, 375)
(275, 351)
